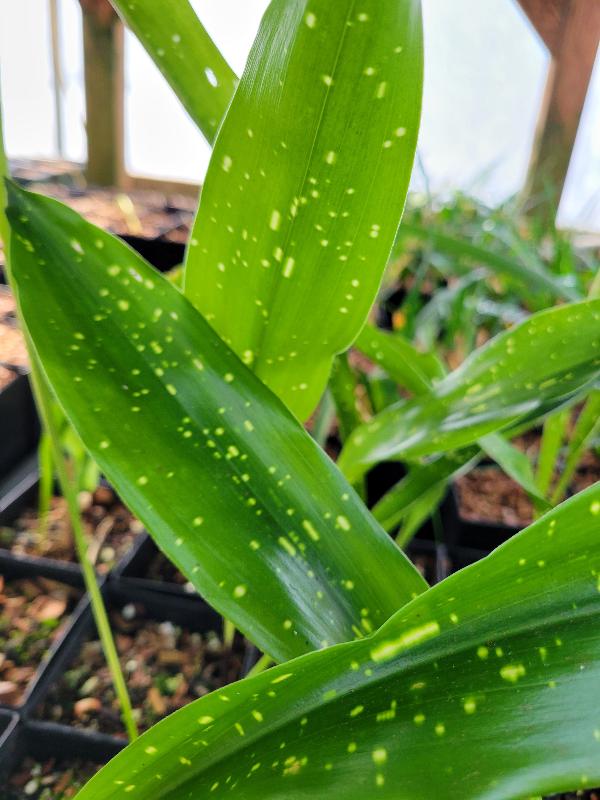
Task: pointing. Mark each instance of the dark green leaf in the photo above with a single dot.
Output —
(343, 385)
(231, 487)
(306, 186)
(400, 359)
(483, 688)
(519, 375)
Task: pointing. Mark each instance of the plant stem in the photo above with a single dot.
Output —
(228, 633)
(43, 398)
(261, 665)
(46, 468)
(44, 401)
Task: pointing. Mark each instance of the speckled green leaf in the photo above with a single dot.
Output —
(306, 186)
(231, 487)
(401, 360)
(483, 688)
(518, 375)
(183, 51)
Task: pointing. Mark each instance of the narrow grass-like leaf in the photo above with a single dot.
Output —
(422, 509)
(398, 501)
(539, 278)
(188, 58)
(519, 375)
(586, 427)
(554, 432)
(401, 360)
(513, 640)
(306, 186)
(231, 487)
(515, 464)
(342, 385)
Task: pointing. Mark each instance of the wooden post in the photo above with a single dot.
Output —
(104, 92)
(571, 31)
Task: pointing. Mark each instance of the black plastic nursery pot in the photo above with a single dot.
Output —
(475, 533)
(18, 496)
(160, 252)
(19, 424)
(9, 722)
(29, 732)
(148, 570)
(137, 615)
(47, 638)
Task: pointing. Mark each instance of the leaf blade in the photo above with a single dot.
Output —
(188, 58)
(327, 193)
(445, 682)
(509, 379)
(230, 485)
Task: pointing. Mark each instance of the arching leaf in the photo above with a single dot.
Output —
(306, 186)
(188, 58)
(519, 375)
(228, 483)
(480, 689)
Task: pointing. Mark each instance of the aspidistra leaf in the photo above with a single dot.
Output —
(400, 359)
(519, 375)
(229, 484)
(480, 689)
(306, 186)
(181, 48)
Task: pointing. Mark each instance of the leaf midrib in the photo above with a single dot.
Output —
(276, 288)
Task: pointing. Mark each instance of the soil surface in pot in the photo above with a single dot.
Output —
(8, 305)
(486, 494)
(33, 612)
(141, 212)
(166, 666)
(6, 376)
(12, 346)
(52, 779)
(111, 529)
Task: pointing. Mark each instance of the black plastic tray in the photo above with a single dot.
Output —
(19, 424)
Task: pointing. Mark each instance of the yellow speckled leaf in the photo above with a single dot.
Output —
(306, 186)
(228, 483)
(482, 688)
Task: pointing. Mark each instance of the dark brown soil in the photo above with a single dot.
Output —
(33, 612)
(49, 780)
(7, 305)
(486, 494)
(6, 376)
(166, 666)
(12, 346)
(111, 529)
(145, 213)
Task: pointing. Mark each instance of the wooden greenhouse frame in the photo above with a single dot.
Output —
(570, 29)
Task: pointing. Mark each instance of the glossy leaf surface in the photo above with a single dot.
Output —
(519, 375)
(231, 487)
(401, 360)
(183, 51)
(481, 689)
(515, 463)
(306, 186)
